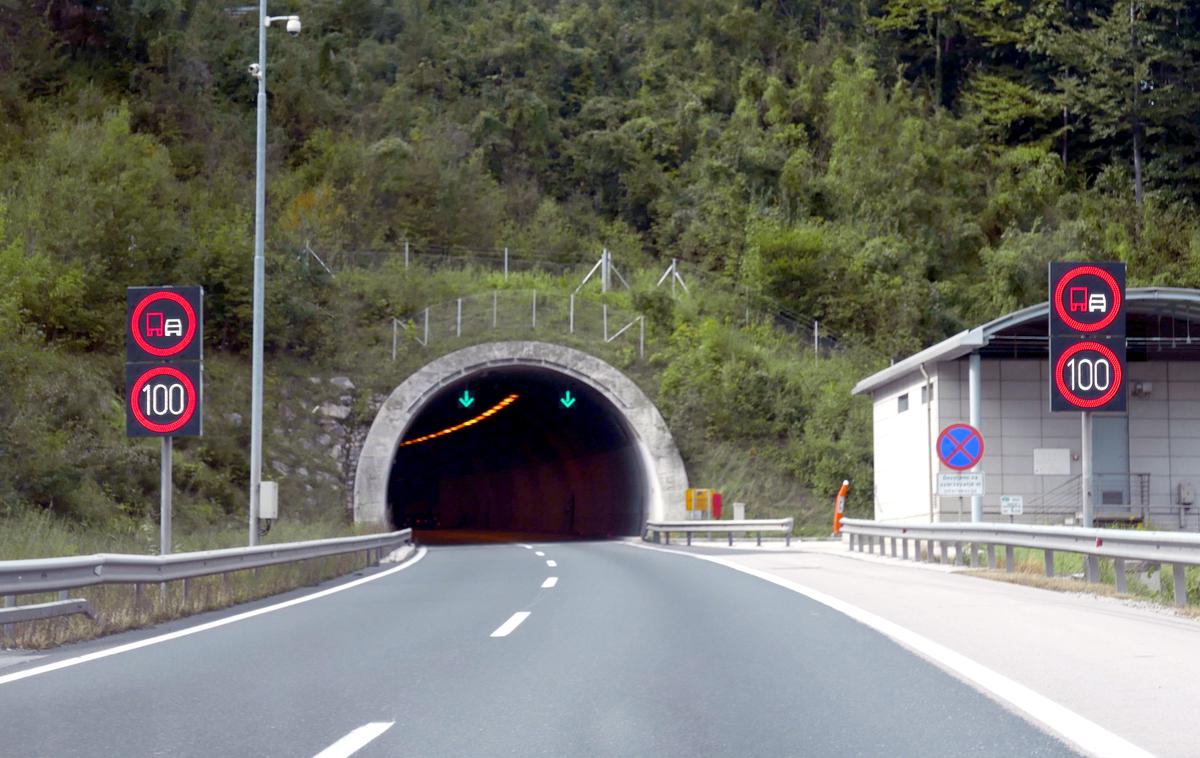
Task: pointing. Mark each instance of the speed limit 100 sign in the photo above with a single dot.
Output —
(164, 400)
(1087, 374)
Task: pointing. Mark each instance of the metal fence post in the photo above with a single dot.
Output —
(10, 601)
(506, 264)
(495, 295)
(394, 340)
(458, 320)
(642, 337)
(405, 254)
(535, 309)
(571, 316)
(606, 322)
(426, 327)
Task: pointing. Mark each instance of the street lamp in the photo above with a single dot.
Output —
(259, 72)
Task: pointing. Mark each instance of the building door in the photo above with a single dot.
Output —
(1110, 463)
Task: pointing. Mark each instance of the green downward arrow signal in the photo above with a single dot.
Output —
(567, 400)
(466, 400)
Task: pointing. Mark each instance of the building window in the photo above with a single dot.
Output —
(926, 393)
(902, 403)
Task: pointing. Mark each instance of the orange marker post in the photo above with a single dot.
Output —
(839, 506)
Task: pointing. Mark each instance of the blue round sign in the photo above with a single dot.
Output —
(960, 446)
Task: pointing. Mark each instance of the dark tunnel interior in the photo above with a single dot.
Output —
(558, 460)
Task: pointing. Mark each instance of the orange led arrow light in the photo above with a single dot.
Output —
(469, 422)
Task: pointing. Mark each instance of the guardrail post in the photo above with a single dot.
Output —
(958, 554)
(139, 598)
(227, 585)
(666, 538)
(1010, 559)
(974, 555)
(904, 548)
(187, 592)
(10, 601)
(689, 539)
(1049, 563)
(893, 546)
(1119, 570)
(1091, 568)
(991, 557)
(758, 541)
(871, 544)
(945, 552)
(731, 539)
(1180, 583)
(930, 556)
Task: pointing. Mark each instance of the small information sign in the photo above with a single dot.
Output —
(1012, 505)
(960, 484)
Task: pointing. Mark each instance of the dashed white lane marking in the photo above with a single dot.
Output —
(68, 662)
(527, 547)
(550, 582)
(551, 564)
(1088, 735)
(513, 622)
(356, 740)
(538, 553)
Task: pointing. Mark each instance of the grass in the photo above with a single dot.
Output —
(119, 607)
(1152, 582)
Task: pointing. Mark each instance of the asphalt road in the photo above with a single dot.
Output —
(631, 653)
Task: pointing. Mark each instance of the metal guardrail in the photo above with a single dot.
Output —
(41, 575)
(655, 529)
(1120, 545)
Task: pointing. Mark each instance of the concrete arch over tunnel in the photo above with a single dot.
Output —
(603, 466)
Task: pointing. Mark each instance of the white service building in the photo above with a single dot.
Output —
(1146, 461)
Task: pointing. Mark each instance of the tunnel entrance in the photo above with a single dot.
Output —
(519, 436)
(519, 449)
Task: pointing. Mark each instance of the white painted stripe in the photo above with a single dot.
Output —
(551, 564)
(356, 740)
(550, 582)
(68, 662)
(527, 547)
(1087, 735)
(513, 622)
(539, 553)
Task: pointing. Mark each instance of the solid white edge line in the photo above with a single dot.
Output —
(356, 740)
(550, 582)
(513, 622)
(128, 647)
(539, 553)
(1083, 733)
(551, 564)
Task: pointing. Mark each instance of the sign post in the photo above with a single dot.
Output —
(960, 447)
(164, 394)
(1087, 350)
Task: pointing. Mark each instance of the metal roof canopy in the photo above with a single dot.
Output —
(1162, 323)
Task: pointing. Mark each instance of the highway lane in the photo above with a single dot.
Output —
(630, 652)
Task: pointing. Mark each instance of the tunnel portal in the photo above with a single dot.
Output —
(519, 449)
(527, 437)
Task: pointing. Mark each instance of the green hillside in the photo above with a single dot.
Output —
(894, 169)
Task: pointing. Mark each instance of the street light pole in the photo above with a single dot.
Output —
(260, 197)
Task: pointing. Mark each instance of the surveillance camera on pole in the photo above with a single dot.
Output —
(292, 26)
